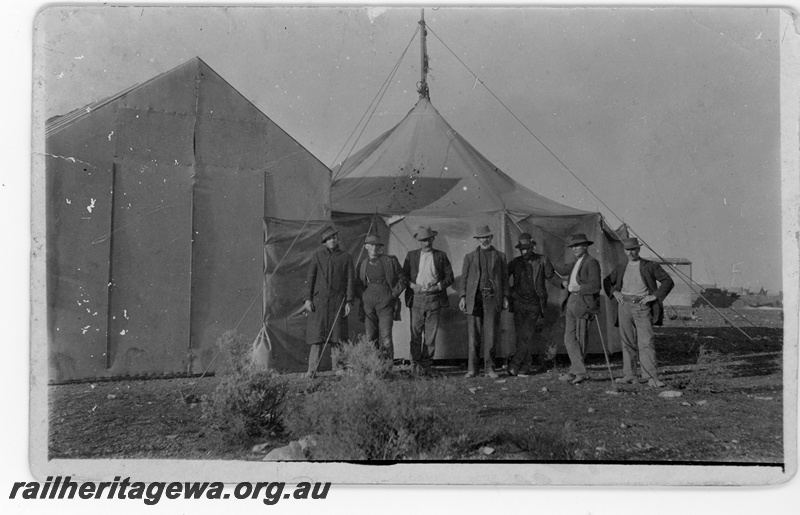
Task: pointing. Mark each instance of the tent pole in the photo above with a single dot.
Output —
(423, 83)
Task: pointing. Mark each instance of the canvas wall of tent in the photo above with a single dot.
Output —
(155, 204)
(422, 172)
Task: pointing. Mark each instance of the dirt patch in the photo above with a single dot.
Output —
(737, 417)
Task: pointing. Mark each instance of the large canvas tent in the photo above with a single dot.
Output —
(422, 172)
(155, 205)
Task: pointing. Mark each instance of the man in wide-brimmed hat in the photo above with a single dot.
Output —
(329, 295)
(429, 273)
(484, 277)
(381, 281)
(639, 287)
(581, 303)
(527, 274)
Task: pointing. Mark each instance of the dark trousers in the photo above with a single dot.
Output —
(482, 327)
(315, 352)
(425, 310)
(378, 305)
(525, 318)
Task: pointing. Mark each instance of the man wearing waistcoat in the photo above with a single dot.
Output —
(382, 281)
(485, 295)
(581, 303)
(329, 296)
(429, 273)
(639, 287)
(527, 274)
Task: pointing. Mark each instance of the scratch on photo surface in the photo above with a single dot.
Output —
(105, 236)
(70, 159)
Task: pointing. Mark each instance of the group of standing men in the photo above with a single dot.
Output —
(489, 286)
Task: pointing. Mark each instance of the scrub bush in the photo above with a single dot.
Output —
(247, 403)
(362, 359)
(709, 374)
(368, 419)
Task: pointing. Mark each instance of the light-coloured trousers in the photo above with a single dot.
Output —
(636, 333)
(576, 334)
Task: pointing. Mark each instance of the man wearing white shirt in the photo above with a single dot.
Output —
(430, 274)
(580, 305)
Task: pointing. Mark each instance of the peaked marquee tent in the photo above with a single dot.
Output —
(156, 199)
(422, 172)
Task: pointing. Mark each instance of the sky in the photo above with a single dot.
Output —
(669, 116)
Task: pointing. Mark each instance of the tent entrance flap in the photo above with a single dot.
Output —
(288, 248)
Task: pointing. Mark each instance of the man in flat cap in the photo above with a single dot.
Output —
(527, 274)
(581, 303)
(381, 281)
(429, 273)
(329, 295)
(639, 287)
(485, 295)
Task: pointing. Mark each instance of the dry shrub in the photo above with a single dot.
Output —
(362, 359)
(234, 349)
(551, 352)
(369, 419)
(248, 402)
(245, 405)
(709, 374)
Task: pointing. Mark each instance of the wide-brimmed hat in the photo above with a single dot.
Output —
(328, 232)
(482, 231)
(525, 241)
(423, 233)
(372, 239)
(579, 239)
(630, 243)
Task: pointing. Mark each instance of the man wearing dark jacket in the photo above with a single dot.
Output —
(582, 302)
(640, 287)
(429, 273)
(381, 281)
(526, 276)
(484, 277)
(329, 296)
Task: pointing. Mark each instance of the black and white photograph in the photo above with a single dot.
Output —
(415, 245)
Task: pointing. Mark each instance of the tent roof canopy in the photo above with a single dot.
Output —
(423, 166)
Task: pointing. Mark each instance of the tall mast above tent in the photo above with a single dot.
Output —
(423, 85)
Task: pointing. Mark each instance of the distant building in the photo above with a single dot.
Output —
(680, 269)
